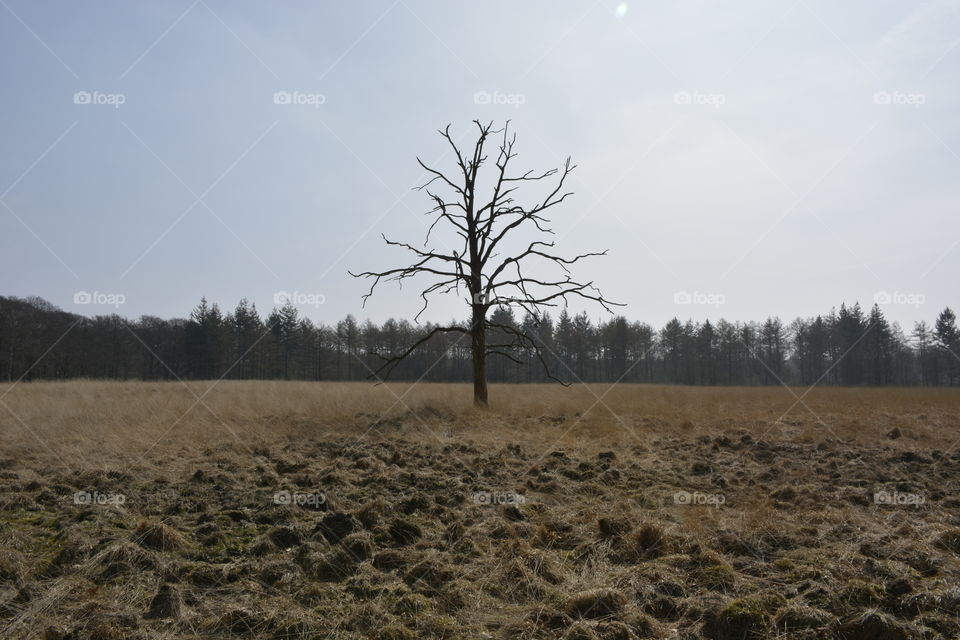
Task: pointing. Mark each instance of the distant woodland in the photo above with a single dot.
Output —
(849, 346)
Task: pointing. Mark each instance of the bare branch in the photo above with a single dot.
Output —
(524, 341)
(390, 363)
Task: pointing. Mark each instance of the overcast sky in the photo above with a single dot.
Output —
(763, 158)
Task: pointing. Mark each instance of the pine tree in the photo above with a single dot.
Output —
(247, 330)
(878, 349)
(947, 337)
(772, 341)
(671, 346)
(923, 341)
(850, 329)
(284, 327)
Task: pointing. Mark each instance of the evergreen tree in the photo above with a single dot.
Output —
(878, 349)
(924, 345)
(946, 337)
(850, 330)
(247, 331)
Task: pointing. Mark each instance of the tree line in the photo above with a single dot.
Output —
(845, 347)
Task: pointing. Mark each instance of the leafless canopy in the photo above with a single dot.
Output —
(480, 267)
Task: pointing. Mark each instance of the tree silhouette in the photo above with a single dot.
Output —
(478, 268)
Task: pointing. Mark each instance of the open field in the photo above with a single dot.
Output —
(336, 510)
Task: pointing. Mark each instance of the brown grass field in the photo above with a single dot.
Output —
(588, 512)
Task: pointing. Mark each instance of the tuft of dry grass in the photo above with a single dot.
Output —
(158, 536)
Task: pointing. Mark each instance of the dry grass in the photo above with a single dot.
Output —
(96, 421)
(600, 550)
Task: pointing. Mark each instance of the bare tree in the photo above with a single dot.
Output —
(481, 267)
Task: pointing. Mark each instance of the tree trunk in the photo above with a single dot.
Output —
(478, 346)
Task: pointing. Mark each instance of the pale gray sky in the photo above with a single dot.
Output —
(779, 157)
